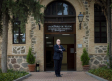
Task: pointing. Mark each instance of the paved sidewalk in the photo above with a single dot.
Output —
(67, 76)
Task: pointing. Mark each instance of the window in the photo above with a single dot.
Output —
(100, 25)
(60, 11)
(59, 8)
(18, 36)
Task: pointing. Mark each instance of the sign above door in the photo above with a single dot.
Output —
(60, 28)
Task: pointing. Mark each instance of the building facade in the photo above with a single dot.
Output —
(63, 15)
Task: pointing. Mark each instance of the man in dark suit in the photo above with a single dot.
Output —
(58, 56)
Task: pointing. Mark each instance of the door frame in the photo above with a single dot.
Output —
(74, 52)
(61, 44)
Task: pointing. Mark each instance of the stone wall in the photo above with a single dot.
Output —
(96, 60)
(17, 60)
(85, 24)
(18, 50)
(32, 35)
(17, 63)
(101, 49)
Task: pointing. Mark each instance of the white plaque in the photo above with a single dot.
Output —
(71, 50)
(79, 45)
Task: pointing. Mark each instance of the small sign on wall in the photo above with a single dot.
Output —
(71, 50)
(79, 45)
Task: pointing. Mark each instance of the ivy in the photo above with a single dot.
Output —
(110, 57)
(21, 9)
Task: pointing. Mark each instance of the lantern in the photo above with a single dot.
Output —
(80, 17)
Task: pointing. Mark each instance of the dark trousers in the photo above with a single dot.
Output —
(57, 65)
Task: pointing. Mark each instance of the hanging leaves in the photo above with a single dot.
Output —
(22, 9)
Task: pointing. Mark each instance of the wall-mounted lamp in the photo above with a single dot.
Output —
(39, 24)
(80, 17)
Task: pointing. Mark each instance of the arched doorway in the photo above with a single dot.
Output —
(60, 22)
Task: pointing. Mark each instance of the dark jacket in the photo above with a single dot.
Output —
(57, 52)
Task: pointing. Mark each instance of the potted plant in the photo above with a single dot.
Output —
(31, 60)
(85, 60)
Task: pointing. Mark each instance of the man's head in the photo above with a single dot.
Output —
(58, 41)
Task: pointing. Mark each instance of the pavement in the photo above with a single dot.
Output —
(66, 76)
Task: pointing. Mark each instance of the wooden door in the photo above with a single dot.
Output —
(70, 57)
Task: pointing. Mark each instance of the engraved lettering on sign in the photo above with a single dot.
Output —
(59, 28)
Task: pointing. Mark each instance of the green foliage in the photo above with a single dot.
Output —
(110, 57)
(11, 75)
(111, 5)
(0, 25)
(84, 57)
(103, 72)
(108, 50)
(30, 58)
(22, 9)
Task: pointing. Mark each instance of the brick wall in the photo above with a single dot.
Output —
(34, 38)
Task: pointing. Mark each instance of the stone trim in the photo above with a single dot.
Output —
(87, 31)
(18, 49)
(17, 63)
(17, 55)
(97, 77)
(32, 35)
(96, 60)
(101, 49)
(97, 54)
(24, 77)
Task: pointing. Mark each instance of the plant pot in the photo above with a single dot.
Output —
(31, 67)
(86, 67)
